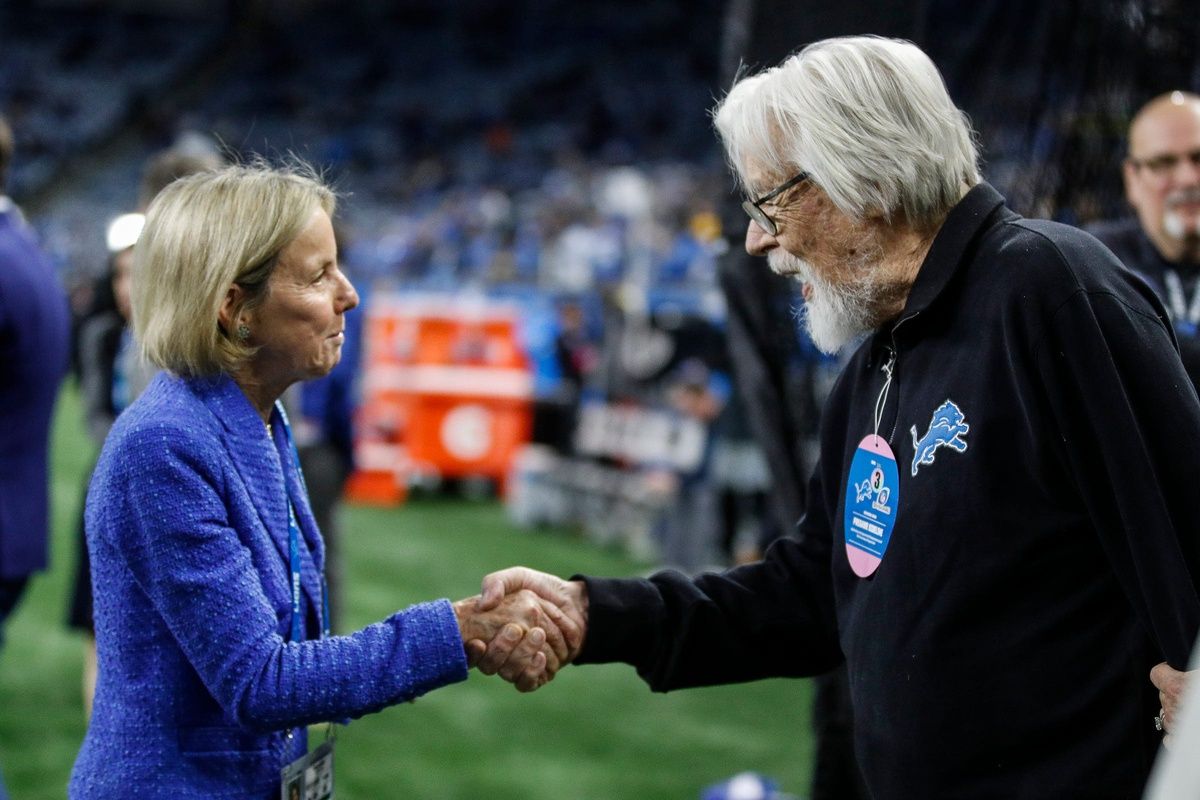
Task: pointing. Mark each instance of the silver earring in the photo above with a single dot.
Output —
(243, 332)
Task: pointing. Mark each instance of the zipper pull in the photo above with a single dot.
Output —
(890, 363)
(881, 400)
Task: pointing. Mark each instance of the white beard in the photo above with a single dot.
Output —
(834, 314)
(1176, 225)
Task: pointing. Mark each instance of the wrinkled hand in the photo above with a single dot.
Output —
(1171, 685)
(522, 625)
(565, 601)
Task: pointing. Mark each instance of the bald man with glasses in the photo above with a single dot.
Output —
(1162, 184)
(1162, 244)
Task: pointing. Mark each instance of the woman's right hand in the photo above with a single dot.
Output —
(529, 627)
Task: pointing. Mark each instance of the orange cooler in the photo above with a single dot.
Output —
(447, 391)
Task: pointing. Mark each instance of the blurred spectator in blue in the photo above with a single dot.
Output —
(690, 537)
(577, 344)
(1162, 183)
(108, 381)
(35, 326)
(741, 478)
(689, 256)
(575, 356)
(109, 378)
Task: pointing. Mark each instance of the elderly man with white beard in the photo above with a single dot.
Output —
(1162, 184)
(998, 538)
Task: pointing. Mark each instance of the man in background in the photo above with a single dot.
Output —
(1162, 183)
(34, 351)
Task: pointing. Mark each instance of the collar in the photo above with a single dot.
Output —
(949, 249)
(1152, 257)
(975, 212)
(266, 467)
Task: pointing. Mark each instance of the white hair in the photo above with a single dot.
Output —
(868, 118)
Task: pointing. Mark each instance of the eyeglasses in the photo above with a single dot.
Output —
(753, 208)
(1161, 166)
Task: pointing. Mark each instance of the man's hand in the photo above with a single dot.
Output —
(564, 601)
(521, 625)
(1171, 685)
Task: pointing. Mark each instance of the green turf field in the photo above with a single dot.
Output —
(595, 732)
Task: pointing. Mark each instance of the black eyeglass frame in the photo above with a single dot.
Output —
(753, 207)
(1165, 163)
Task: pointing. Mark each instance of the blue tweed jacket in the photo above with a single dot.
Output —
(187, 524)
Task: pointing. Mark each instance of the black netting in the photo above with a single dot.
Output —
(1050, 86)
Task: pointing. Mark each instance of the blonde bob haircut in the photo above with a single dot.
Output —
(204, 233)
(868, 118)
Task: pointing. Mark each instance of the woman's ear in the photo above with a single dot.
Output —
(226, 316)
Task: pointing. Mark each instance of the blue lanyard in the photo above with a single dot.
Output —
(294, 545)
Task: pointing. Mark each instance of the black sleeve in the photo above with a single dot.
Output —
(773, 618)
(1130, 425)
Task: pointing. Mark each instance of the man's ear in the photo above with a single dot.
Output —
(1129, 173)
(234, 297)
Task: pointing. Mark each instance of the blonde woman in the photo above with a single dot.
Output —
(210, 608)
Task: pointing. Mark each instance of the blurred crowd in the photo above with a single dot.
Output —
(564, 162)
(562, 159)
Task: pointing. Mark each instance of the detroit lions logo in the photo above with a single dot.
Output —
(946, 429)
(863, 490)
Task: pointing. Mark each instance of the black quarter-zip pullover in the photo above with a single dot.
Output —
(1040, 564)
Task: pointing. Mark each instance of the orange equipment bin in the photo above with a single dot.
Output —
(447, 390)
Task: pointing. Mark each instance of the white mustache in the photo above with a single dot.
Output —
(1189, 194)
(787, 265)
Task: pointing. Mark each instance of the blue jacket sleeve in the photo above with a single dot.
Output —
(203, 578)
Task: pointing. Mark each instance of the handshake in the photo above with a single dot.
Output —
(525, 626)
